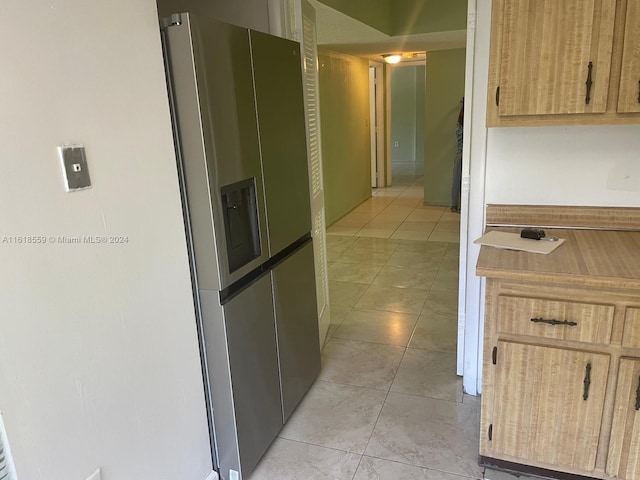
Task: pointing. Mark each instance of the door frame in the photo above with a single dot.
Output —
(474, 161)
(471, 287)
(376, 123)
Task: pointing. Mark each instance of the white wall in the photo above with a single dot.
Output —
(588, 165)
(99, 363)
(594, 165)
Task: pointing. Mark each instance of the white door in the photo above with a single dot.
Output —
(298, 22)
(374, 126)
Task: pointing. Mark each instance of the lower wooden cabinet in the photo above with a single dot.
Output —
(561, 345)
(561, 378)
(623, 460)
(548, 404)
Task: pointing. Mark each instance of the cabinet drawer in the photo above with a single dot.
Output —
(582, 322)
(631, 335)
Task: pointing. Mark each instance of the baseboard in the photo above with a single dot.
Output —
(519, 470)
(212, 476)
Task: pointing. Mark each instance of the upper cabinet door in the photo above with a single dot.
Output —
(550, 51)
(629, 97)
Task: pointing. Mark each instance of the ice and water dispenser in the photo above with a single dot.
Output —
(241, 225)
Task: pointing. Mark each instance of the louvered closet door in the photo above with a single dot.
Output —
(310, 54)
(548, 404)
(7, 471)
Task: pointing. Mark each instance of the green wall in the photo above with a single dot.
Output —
(375, 13)
(344, 117)
(444, 89)
(425, 16)
(405, 17)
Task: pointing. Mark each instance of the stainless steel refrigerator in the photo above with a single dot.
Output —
(237, 106)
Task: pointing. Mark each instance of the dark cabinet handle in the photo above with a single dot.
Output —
(587, 381)
(498, 96)
(554, 322)
(588, 83)
(638, 395)
(638, 91)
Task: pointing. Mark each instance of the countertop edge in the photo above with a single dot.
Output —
(567, 279)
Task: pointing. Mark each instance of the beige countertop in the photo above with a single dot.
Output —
(599, 258)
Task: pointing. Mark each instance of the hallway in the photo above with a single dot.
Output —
(388, 404)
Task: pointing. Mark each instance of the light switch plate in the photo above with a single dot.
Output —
(74, 167)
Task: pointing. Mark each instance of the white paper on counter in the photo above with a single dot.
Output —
(512, 241)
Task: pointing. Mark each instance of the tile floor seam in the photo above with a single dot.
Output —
(359, 386)
(372, 343)
(423, 396)
(423, 468)
(383, 404)
(317, 445)
(355, 472)
(389, 212)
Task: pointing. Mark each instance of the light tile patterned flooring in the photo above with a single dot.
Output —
(388, 404)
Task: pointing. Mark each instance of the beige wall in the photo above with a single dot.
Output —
(346, 143)
(99, 362)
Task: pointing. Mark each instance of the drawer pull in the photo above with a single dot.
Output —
(638, 395)
(554, 322)
(588, 83)
(587, 381)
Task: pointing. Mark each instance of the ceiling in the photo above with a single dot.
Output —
(345, 34)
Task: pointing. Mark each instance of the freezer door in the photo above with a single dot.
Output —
(253, 362)
(242, 371)
(294, 288)
(281, 122)
(216, 130)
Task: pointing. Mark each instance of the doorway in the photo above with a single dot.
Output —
(407, 92)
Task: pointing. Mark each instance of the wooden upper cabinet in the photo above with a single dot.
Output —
(546, 49)
(629, 96)
(549, 405)
(544, 53)
(623, 460)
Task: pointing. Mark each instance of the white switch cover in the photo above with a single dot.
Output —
(74, 167)
(95, 475)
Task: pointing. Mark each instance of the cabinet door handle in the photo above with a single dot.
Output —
(554, 322)
(498, 96)
(587, 381)
(638, 395)
(588, 83)
(638, 91)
